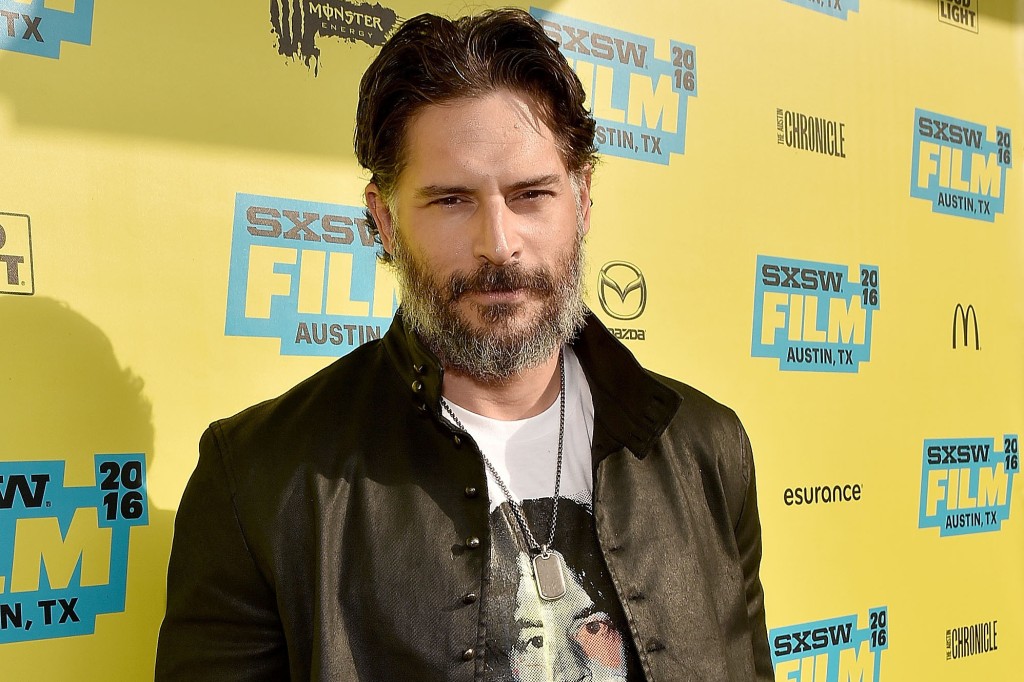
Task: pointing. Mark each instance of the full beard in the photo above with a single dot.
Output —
(507, 341)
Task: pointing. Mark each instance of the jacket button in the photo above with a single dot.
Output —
(469, 598)
(468, 655)
(655, 644)
(473, 542)
(417, 386)
(419, 369)
(472, 492)
(456, 440)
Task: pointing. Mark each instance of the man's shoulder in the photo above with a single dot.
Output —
(328, 400)
(713, 434)
(709, 428)
(695, 403)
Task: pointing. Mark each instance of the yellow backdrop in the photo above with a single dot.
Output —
(809, 209)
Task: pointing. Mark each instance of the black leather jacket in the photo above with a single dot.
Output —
(340, 531)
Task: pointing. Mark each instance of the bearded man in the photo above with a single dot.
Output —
(495, 490)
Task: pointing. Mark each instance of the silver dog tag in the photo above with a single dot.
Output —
(549, 572)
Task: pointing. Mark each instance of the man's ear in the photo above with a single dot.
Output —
(381, 216)
(584, 191)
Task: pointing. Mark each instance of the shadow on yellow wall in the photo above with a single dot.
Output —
(63, 396)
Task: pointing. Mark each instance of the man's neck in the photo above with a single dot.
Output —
(524, 395)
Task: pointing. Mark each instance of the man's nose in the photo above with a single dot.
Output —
(497, 239)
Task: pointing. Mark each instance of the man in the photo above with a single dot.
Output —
(496, 490)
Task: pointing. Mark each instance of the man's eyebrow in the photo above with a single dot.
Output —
(539, 181)
(435, 191)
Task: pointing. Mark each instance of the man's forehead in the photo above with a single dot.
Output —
(494, 114)
(499, 133)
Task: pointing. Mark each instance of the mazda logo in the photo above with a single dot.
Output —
(622, 290)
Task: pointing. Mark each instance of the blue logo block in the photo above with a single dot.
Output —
(966, 484)
(33, 29)
(833, 8)
(64, 550)
(957, 169)
(306, 273)
(638, 101)
(832, 649)
(812, 316)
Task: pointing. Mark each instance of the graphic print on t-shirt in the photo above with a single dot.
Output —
(580, 636)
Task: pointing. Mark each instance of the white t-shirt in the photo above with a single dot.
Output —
(525, 451)
(583, 635)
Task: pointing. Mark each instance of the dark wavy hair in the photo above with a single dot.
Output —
(433, 60)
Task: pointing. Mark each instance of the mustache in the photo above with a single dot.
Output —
(498, 278)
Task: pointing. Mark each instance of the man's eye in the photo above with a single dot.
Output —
(537, 642)
(448, 201)
(532, 194)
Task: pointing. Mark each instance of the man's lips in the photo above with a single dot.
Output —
(498, 295)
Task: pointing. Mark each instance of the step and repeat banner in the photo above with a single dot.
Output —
(809, 209)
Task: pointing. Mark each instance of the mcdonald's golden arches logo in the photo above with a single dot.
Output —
(961, 316)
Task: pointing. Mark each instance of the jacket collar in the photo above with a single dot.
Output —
(631, 407)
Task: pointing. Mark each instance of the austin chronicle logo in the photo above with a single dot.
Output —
(16, 273)
(961, 316)
(622, 290)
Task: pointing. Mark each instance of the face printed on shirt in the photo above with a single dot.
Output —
(569, 639)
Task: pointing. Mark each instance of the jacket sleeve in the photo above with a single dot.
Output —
(748, 541)
(222, 621)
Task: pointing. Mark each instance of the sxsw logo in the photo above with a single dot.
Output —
(812, 316)
(957, 169)
(16, 273)
(833, 8)
(64, 551)
(638, 101)
(966, 484)
(31, 28)
(306, 273)
(831, 649)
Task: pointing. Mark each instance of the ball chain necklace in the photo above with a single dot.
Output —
(548, 564)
